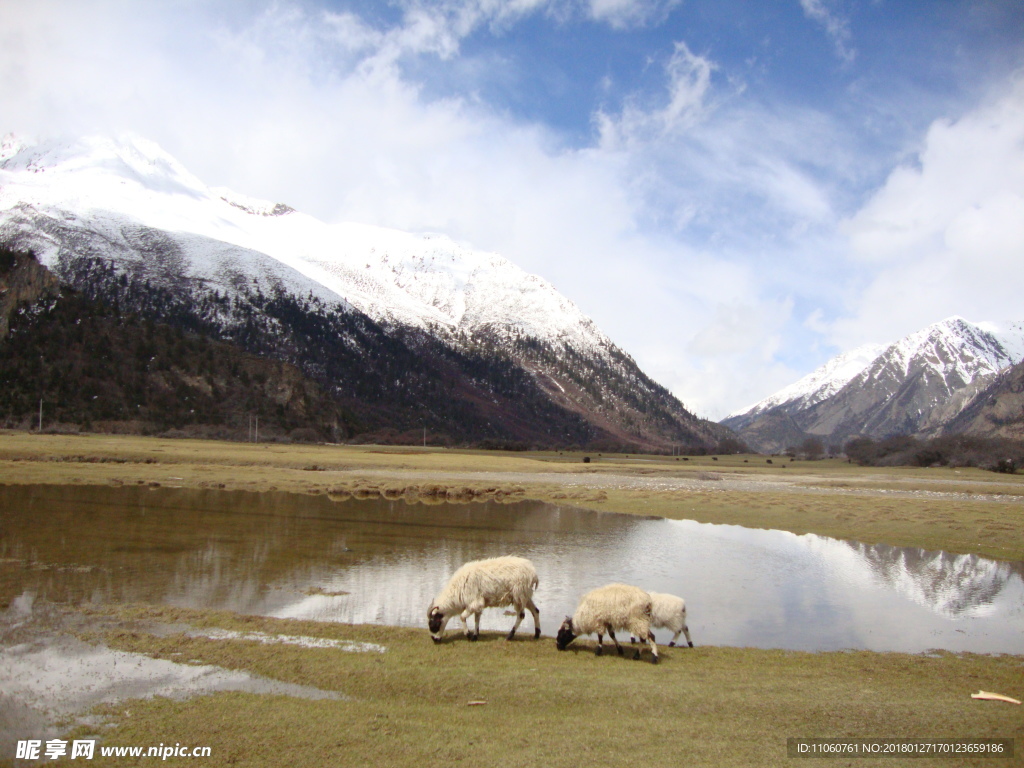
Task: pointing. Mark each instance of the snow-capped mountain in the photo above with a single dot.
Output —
(394, 277)
(124, 222)
(912, 386)
(818, 385)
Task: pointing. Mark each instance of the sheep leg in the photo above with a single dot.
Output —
(611, 634)
(532, 608)
(685, 630)
(600, 644)
(654, 649)
(519, 620)
(473, 609)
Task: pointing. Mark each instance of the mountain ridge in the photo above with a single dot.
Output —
(914, 386)
(125, 224)
(398, 277)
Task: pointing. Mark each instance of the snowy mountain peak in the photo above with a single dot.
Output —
(821, 383)
(424, 281)
(127, 156)
(956, 350)
(916, 384)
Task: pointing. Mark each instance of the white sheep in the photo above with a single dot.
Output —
(494, 583)
(668, 611)
(603, 610)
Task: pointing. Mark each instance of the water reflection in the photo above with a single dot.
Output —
(382, 562)
(951, 585)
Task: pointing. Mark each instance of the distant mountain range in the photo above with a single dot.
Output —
(951, 377)
(401, 332)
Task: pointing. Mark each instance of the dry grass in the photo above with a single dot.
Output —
(410, 706)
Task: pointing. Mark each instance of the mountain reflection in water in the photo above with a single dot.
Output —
(383, 561)
(955, 586)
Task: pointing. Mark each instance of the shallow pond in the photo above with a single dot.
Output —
(382, 562)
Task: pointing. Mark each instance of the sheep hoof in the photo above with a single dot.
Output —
(599, 651)
(672, 645)
(654, 660)
(437, 640)
(536, 634)
(691, 644)
(511, 635)
(619, 649)
(636, 656)
(475, 637)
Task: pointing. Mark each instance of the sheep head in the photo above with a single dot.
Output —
(435, 620)
(566, 634)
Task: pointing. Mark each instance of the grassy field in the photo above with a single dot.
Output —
(411, 705)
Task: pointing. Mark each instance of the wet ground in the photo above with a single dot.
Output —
(50, 679)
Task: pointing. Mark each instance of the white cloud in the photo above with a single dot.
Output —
(623, 14)
(836, 26)
(945, 234)
(688, 82)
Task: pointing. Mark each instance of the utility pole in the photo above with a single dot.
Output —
(257, 428)
(42, 391)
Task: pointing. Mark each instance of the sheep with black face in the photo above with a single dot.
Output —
(498, 582)
(603, 610)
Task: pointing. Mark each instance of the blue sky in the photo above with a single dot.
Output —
(734, 190)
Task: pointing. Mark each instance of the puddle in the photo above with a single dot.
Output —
(50, 680)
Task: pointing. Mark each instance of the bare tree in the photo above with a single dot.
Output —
(813, 448)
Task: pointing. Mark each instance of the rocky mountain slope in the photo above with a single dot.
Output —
(915, 386)
(996, 411)
(405, 331)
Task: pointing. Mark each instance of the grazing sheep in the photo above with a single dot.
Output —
(494, 583)
(669, 611)
(603, 610)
